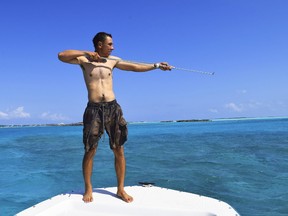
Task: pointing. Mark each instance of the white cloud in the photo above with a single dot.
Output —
(234, 107)
(249, 106)
(14, 114)
(3, 115)
(53, 116)
(20, 113)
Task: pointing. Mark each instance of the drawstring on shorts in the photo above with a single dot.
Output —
(96, 107)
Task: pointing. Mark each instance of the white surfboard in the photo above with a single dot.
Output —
(152, 201)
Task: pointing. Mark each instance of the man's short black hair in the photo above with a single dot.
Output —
(100, 36)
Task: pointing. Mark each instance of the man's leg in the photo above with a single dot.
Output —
(87, 167)
(120, 166)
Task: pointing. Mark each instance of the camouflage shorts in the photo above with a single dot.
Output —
(98, 116)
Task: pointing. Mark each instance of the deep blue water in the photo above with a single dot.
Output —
(243, 163)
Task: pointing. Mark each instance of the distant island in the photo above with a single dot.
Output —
(81, 123)
(136, 122)
(189, 120)
(42, 125)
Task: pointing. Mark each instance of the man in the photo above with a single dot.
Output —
(103, 111)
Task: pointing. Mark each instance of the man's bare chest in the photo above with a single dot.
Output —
(96, 71)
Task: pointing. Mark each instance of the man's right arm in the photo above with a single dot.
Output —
(72, 56)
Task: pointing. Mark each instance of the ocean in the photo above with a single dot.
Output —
(241, 162)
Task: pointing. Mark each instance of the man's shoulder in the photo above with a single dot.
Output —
(82, 59)
(114, 58)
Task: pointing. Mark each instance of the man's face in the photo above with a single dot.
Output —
(106, 47)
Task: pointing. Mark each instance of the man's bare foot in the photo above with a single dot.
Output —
(124, 196)
(87, 196)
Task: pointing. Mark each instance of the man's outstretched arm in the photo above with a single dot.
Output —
(130, 66)
(71, 56)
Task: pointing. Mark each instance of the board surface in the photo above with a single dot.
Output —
(147, 201)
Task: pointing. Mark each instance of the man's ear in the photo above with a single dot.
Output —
(100, 44)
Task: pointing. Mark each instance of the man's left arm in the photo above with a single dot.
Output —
(128, 66)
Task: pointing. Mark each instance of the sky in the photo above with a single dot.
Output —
(245, 42)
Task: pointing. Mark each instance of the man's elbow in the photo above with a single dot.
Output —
(61, 56)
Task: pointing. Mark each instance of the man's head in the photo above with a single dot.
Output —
(103, 43)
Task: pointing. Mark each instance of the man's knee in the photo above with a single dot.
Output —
(119, 152)
(91, 153)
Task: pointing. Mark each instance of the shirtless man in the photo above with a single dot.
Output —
(102, 110)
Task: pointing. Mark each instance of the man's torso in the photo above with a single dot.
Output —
(98, 77)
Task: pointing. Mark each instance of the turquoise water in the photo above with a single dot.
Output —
(243, 163)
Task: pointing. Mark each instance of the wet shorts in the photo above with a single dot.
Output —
(98, 116)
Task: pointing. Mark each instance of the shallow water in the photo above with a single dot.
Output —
(243, 163)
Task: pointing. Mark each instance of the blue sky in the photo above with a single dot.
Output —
(244, 42)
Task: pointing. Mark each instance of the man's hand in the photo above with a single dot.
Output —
(165, 66)
(94, 57)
